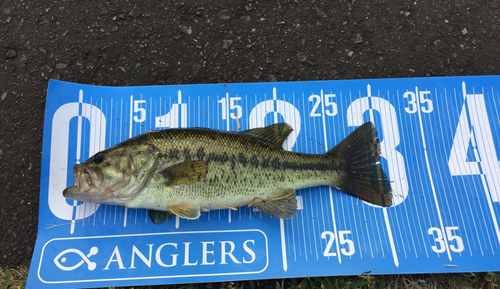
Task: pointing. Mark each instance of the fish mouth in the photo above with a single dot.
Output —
(87, 184)
(71, 192)
(91, 177)
(89, 187)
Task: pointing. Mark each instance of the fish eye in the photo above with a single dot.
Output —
(99, 158)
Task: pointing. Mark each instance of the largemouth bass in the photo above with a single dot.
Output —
(188, 171)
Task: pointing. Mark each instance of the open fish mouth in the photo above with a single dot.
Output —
(89, 187)
(87, 183)
(86, 178)
(95, 176)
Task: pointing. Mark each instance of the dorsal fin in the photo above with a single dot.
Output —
(275, 133)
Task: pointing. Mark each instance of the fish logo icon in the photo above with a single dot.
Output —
(85, 259)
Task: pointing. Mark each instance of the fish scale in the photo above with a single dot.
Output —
(231, 182)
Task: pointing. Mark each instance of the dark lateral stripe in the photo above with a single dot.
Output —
(254, 161)
(242, 159)
(173, 153)
(257, 161)
(309, 166)
(187, 154)
(200, 154)
(275, 164)
(220, 158)
(265, 163)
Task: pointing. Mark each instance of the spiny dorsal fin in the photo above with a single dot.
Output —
(282, 206)
(159, 217)
(275, 133)
(185, 173)
(186, 212)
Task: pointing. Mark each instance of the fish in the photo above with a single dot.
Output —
(186, 171)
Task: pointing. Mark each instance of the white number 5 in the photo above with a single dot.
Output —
(140, 110)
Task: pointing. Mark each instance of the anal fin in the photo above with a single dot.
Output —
(281, 206)
(227, 207)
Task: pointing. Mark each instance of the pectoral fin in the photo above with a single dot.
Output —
(186, 212)
(185, 173)
(159, 217)
(281, 206)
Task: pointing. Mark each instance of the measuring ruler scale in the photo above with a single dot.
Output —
(439, 147)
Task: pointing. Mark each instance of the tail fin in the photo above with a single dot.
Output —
(361, 177)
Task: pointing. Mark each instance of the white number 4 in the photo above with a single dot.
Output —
(474, 128)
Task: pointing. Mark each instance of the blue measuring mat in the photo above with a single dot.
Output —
(439, 145)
